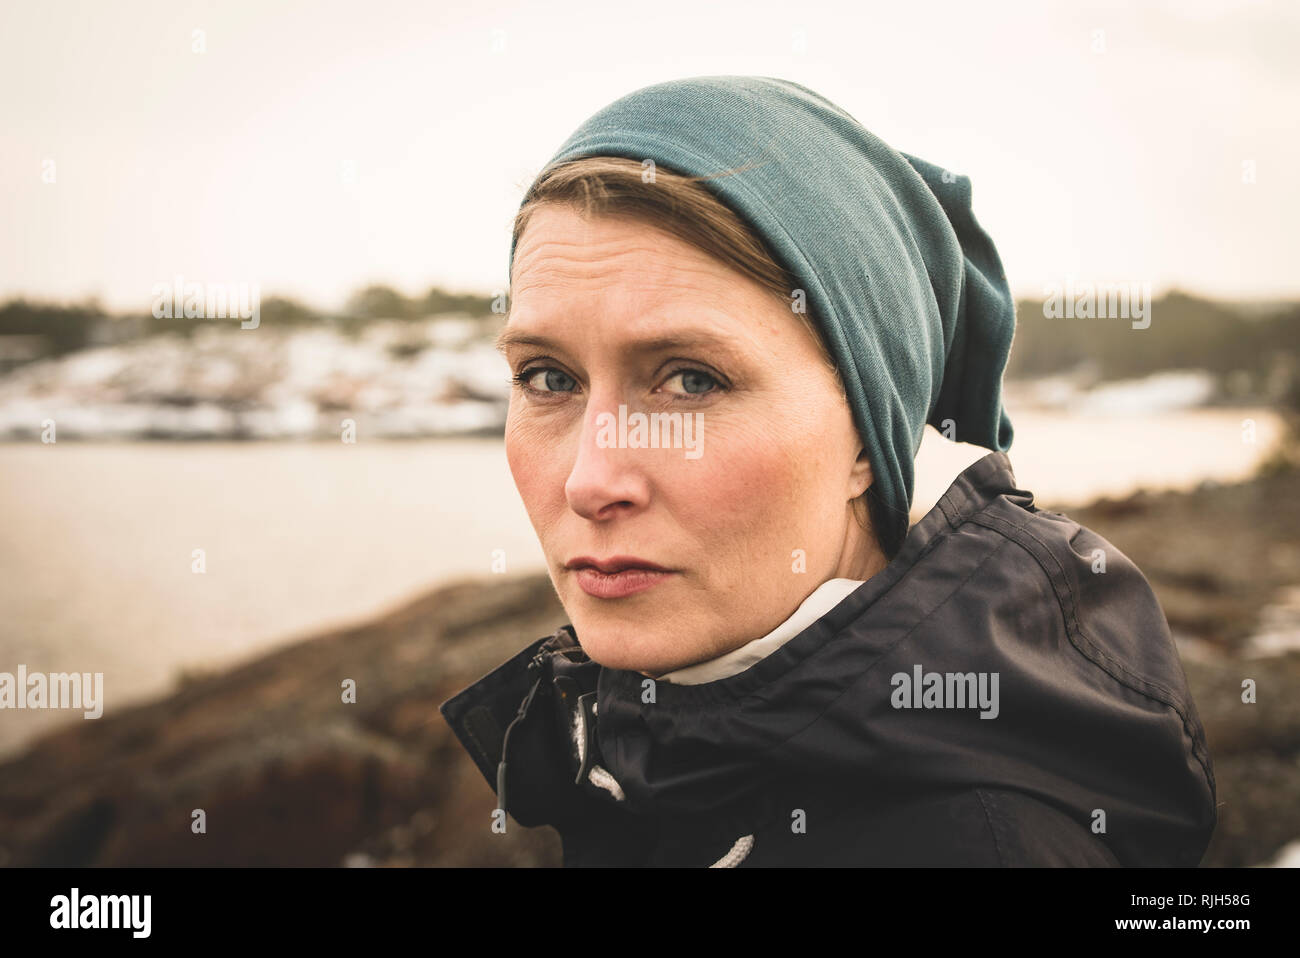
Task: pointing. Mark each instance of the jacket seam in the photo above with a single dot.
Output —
(479, 746)
(1071, 615)
(1085, 645)
(993, 832)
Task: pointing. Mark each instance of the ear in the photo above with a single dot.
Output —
(861, 477)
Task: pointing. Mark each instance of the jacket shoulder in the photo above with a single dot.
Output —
(1108, 610)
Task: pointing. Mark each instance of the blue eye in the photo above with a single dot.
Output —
(695, 377)
(554, 379)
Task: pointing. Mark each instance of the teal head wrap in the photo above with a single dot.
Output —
(906, 288)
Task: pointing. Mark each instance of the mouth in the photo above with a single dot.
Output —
(616, 577)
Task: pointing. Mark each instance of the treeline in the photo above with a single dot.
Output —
(383, 302)
(1185, 332)
(65, 328)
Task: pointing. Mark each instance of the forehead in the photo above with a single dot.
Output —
(559, 246)
(568, 268)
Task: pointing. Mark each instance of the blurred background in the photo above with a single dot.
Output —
(228, 516)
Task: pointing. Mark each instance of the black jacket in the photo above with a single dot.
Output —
(830, 752)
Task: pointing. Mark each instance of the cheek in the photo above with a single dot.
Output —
(772, 486)
(538, 468)
(744, 490)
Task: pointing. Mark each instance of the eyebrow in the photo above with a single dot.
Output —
(653, 344)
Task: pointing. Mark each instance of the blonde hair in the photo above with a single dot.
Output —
(681, 206)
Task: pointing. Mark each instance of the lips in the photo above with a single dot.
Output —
(613, 564)
(616, 577)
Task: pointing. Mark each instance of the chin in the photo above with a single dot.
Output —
(630, 648)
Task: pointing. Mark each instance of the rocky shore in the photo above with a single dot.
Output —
(286, 773)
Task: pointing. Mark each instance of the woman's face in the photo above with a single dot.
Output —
(748, 507)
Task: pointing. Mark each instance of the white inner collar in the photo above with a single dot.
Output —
(822, 599)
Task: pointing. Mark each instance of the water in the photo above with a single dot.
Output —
(96, 547)
(96, 540)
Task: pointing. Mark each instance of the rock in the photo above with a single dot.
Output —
(284, 771)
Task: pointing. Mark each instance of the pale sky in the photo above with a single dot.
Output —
(316, 147)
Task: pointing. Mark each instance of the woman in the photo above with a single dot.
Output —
(733, 312)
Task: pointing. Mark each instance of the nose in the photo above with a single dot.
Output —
(607, 479)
